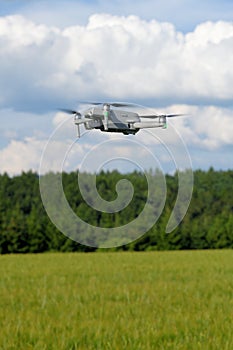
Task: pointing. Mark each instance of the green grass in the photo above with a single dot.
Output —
(156, 300)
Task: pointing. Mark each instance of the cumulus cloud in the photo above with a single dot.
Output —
(27, 154)
(21, 155)
(207, 127)
(113, 57)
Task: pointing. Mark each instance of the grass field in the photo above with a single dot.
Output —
(154, 300)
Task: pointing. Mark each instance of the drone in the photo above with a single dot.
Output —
(112, 117)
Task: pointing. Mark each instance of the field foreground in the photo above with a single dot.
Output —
(156, 300)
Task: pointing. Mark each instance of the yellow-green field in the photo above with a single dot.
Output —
(157, 300)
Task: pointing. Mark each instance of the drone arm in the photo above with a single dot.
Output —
(149, 124)
(153, 116)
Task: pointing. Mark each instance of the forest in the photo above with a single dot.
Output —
(208, 223)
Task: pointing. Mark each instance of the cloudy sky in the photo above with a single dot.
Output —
(174, 56)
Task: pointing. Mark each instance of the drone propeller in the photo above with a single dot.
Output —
(90, 103)
(114, 104)
(153, 116)
(69, 111)
(174, 115)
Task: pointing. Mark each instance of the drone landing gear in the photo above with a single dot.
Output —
(106, 113)
(78, 131)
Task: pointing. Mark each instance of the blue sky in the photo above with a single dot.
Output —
(54, 53)
(184, 14)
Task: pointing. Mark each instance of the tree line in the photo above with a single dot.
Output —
(208, 223)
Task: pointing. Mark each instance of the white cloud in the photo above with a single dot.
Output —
(21, 155)
(20, 32)
(209, 32)
(115, 57)
(207, 127)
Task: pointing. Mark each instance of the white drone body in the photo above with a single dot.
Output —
(107, 119)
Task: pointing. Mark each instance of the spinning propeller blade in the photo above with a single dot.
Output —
(114, 104)
(174, 115)
(153, 116)
(90, 103)
(69, 111)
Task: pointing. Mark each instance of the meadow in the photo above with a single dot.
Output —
(124, 300)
